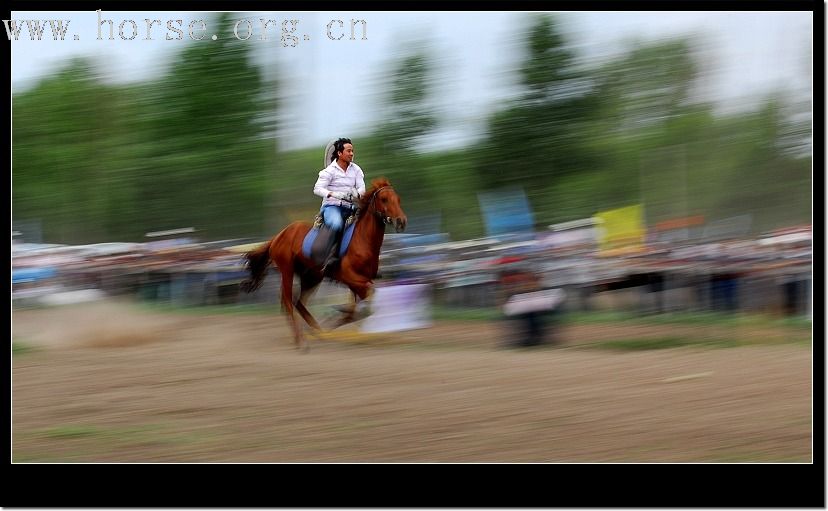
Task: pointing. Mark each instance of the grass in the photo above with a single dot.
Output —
(443, 313)
(465, 314)
(668, 342)
(687, 318)
(83, 442)
(797, 329)
(22, 348)
(602, 317)
(130, 435)
(660, 343)
(232, 309)
(74, 431)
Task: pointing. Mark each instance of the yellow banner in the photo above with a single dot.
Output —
(621, 229)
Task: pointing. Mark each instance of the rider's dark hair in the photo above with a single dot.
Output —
(339, 146)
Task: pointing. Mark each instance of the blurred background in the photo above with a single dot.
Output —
(667, 152)
(634, 188)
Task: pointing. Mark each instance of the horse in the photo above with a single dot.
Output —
(378, 207)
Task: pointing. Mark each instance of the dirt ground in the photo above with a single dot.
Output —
(109, 382)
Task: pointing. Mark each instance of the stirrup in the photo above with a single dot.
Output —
(329, 264)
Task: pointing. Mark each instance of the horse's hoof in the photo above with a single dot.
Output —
(360, 315)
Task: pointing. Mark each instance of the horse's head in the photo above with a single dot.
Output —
(383, 202)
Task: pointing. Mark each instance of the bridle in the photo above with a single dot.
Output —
(384, 219)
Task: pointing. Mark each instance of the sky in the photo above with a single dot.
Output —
(330, 86)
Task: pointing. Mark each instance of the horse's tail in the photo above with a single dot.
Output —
(257, 262)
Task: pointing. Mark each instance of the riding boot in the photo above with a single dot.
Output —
(332, 259)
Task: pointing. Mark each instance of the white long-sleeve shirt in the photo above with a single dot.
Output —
(333, 179)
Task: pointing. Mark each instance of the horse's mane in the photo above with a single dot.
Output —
(376, 184)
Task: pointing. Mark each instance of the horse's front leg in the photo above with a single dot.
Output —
(359, 308)
(362, 304)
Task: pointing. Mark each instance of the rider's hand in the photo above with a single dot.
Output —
(354, 193)
(340, 195)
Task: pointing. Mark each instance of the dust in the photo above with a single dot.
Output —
(109, 324)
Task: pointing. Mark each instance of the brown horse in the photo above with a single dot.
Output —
(380, 205)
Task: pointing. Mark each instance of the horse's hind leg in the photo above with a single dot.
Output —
(309, 285)
(287, 302)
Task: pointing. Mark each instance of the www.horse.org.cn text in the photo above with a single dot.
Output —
(290, 32)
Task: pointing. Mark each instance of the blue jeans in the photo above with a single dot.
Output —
(335, 216)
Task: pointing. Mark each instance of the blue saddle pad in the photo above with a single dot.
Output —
(307, 243)
(346, 239)
(310, 237)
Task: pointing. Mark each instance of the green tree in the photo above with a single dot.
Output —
(542, 137)
(97, 162)
(408, 114)
(649, 86)
(393, 149)
(210, 165)
(61, 154)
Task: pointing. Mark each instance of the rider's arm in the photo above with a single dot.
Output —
(321, 186)
(360, 181)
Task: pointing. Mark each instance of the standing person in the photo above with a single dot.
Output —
(340, 185)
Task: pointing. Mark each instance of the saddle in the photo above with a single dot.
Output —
(321, 239)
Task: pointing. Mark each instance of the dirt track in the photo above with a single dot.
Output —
(110, 383)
